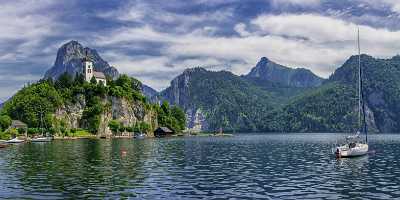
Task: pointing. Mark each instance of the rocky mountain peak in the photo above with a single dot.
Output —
(69, 60)
(348, 72)
(267, 70)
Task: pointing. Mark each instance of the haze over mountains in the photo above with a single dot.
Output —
(271, 97)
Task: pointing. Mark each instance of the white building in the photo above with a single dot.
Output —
(89, 73)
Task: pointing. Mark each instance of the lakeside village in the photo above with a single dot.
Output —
(87, 105)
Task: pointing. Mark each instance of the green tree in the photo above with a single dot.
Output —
(114, 126)
(93, 80)
(64, 81)
(5, 121)
(32, 102)
(180, 117)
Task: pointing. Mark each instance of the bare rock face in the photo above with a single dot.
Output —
(179, 94)
(128, 113)
(72, 113)
(196, 120)
(69, 60)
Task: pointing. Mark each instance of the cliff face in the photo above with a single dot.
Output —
(213, 100)
(381, 85)
(266, 70)
(179, 94)
(126, 112)
(69, 60)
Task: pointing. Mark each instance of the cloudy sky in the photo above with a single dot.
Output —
(156, 40)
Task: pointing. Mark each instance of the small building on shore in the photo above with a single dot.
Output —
(16, 124)
(162, 132)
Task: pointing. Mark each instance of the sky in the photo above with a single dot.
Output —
(155, 40)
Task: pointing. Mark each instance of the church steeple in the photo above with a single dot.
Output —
(87, 67)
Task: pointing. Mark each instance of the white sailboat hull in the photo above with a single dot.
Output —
(359, 149)
(15, 140)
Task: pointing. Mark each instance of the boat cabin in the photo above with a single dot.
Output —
(162, 132)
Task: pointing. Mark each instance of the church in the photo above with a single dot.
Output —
(89, 73)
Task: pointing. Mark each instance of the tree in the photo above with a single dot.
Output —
(64, 81)
(114, 126)
(93, 80)
(5, 121)
(32, 102)
(79, 79)
(180, 117)
(91, 114)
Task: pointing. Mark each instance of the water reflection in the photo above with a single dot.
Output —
(280, 166)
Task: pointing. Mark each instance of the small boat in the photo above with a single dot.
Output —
(354, 145)
(4, 146)
(42, 139)
(15, 141)
(139, 136)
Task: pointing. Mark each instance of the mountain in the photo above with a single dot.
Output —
(149, 93)
(333, 106)
(69, 59)
(222, 99)
(214, 100)
(273, 73)
(381, 83)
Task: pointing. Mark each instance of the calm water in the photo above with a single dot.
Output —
(272, 166)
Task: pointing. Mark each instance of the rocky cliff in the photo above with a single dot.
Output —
(69, 60)
(120, 109)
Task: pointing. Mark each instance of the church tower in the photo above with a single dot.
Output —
(88, 68)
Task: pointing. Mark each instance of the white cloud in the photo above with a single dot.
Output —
(26, 24)
(241, 29)
(316, 42)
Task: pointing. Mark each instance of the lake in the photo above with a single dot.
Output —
(246, 166)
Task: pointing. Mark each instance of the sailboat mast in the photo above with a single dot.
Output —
(359, 79)
(361, 99)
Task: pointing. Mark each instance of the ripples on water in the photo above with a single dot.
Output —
(271, 166)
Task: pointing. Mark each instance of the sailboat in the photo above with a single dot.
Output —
(355, 145)
(15, 141)
(42, 138)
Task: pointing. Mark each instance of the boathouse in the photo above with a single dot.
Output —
(162, 132)
(20, 125)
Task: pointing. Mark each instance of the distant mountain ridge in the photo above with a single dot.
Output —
(214, 100)
(267, 70)
(69, 60)
(206, 95)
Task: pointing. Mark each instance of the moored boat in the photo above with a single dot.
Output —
(354, 145)
(139, 136)
(15, 141)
